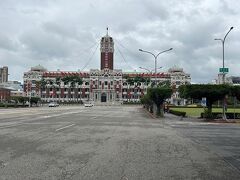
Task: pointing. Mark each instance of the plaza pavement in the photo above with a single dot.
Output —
(113, 142)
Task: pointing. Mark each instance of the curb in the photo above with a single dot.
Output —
(151, 115)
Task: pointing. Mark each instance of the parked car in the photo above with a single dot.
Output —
(88, 104)
(53, 104)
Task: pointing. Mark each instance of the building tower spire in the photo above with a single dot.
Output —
(107, 51)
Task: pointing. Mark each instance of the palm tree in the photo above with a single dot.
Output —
(72, 82)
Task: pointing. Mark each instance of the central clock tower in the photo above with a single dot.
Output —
(107, 50)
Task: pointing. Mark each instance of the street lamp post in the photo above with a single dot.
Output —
(146, 69)
(223, 76)
(155, 58)
(29, 91)
(223, 48)
(149, 71)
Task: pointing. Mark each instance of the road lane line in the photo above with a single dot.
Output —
(64, 127)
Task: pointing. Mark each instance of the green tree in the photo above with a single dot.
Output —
(139, 79)
(235, 91)
(130, 80)
(15, 99)
(34, 100)
(19, 99)
(43, 83)
(158, 95)
(72, 80)
(166, 83)
(211, 92)
(147, 102)
(58, 81)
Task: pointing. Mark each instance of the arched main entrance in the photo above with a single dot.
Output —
(103, 97)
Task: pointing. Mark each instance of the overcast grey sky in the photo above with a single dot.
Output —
(64, 34)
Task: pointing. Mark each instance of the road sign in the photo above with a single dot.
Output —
(204, 102)
(223, 70)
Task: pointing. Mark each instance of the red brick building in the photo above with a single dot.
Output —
(4, 94)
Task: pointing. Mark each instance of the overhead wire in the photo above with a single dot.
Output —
(118, 42)
(121, 54)
(91, 57)
(85, 50)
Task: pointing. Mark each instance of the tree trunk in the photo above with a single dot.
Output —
(158, 113)
(159, 110)
(208, 113)
(209, 107)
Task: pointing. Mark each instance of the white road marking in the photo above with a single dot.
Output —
(57, 115)
(64, 127)
(46, 116)
(12, 125)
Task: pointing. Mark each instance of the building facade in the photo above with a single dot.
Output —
(32, 80)
(4, 94)
(3, 74)
(233, 80)
(178, 78)
(103, 86)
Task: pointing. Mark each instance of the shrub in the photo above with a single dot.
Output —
(131, 102)
(218, 115)
(177, 113)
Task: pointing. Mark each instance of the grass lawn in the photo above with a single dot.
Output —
(195, 112)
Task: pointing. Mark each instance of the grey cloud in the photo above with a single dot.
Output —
(64, 34)
(45, 45)
(7, 43)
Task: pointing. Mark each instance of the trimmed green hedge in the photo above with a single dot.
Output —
(12, 105)
(177, 113)
(124, 102)
(218, 115)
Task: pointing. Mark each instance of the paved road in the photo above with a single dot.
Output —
(223, 139)
(110, 142)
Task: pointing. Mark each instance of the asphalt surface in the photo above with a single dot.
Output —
(113, 143)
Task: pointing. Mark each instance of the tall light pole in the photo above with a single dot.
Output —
(223, 48)
(155, 58)
(29, 88)
(223, 69)
(149, 71)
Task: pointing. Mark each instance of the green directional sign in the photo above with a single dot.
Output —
(223, 70)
